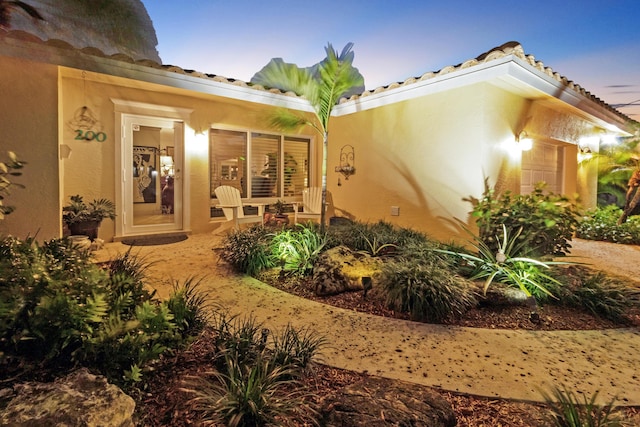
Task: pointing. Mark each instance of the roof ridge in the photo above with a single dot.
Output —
(513, 48)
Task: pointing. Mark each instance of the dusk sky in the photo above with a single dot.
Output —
(595, 43)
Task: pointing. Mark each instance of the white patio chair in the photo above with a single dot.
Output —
(311, 204)
(232, 206)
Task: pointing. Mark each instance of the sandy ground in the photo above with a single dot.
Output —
(485, 362)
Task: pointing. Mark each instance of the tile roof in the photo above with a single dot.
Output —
(510, 48)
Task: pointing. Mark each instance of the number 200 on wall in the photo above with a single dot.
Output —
(89, 135)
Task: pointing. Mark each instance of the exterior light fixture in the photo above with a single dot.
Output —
(524, 141)
(584, 153)
(347, 160)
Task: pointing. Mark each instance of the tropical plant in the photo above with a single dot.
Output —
(8, 169)
(6, 7)
(248, 251)
(58, 309)
(602, 224)
(619, 174)
(295, 250)
(547, 221)
(599, 294)
(566, 410)
(258, 394)
(96, 210)
(427, 291)
(296, 348)
(501, 266)
(322, 85)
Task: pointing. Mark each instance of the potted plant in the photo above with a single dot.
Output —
(85, 219)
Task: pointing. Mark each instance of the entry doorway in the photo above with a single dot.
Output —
(544, 162)
(152, 165)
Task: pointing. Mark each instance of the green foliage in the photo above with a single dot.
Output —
(248, 250)
(9, 169)
(500, 265)
(602, 224)
(256, 380)
(190, 307)
(616, 163)
(547, 220)
(566, 410)
(376, 239)
(258, 394)
(296, 348)
(79, 211)
(601, 295)
(427, 291)
(295, 250)
(58, 309)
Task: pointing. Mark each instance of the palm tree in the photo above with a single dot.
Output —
(619, 173)
(6, 6)
(322, 85)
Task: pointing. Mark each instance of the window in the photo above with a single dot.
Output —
(260, 165)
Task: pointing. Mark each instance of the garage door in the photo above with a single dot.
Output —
(542, 163)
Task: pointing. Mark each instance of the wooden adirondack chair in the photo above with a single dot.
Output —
(311, 204)
(231, 204)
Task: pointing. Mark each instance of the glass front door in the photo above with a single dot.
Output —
(152, 184)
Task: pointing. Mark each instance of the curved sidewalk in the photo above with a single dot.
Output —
(484, 362)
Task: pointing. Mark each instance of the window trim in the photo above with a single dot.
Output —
(282, 136)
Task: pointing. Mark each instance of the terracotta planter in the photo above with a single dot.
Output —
(85, 228)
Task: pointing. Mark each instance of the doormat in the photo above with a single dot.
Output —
(154, 240)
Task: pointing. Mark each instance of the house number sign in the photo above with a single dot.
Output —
(89, 135)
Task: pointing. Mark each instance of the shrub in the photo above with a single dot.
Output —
(502, 266)
(256, 381)
(295, 250)
(377, 238)
(601, 295)
(296, 348)
(567, 411)
(248, 250)
(59, 310)
(601, 224)
(547, 220)
(427, 291)
(258, 394)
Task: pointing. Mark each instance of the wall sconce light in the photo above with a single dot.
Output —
(347, 161)
(524, 141)
(584, 153)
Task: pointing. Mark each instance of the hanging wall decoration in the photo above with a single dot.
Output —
(84, 123)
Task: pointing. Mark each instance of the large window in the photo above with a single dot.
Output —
(260, 165)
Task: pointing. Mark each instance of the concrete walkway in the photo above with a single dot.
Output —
(485, 362)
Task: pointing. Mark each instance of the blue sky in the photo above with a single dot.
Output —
(595, 43)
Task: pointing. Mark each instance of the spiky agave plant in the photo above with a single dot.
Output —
(504, 267)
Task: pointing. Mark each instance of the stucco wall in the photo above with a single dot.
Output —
(90, 170)
(28, 106)
(425, 155)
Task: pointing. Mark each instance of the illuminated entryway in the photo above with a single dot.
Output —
(152, 172)
(544, 162)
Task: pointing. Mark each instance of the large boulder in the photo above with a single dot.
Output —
(79, 400)
(380, 402)
(340, 269)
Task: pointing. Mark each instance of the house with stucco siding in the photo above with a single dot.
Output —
(109, 126)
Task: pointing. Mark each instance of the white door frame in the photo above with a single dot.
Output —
(126, 111)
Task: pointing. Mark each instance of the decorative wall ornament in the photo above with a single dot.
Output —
(347, 161)
(84, 123)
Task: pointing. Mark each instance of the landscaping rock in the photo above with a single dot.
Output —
(378, 402)
(340, 270)
(79, 400)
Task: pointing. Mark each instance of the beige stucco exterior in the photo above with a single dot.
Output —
(422, 148)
